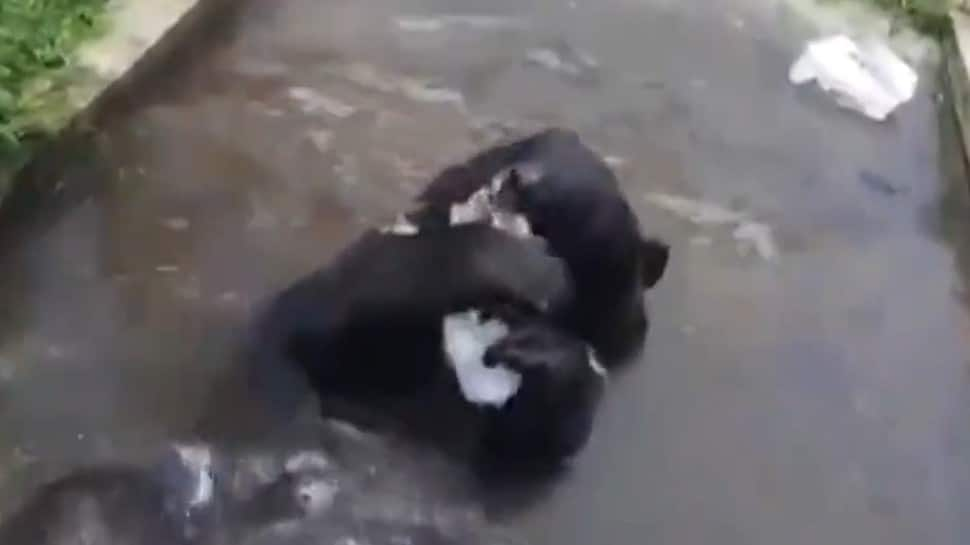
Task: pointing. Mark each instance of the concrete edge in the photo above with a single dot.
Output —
(957, 72)
(140, 57)
(191, 27)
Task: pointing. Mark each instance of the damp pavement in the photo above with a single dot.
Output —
(807, 377)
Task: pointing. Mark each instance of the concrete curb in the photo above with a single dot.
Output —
(142, 37)
(957, 70)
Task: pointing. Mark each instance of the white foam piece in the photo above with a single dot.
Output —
(402, 226)
(477, 208)
(466, 338)
(426, 24)
(867, 77)
(515, 224)
(198, 459)
(481, 207)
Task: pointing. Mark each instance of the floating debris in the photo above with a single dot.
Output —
(371, 78)
(176, 223)
(868, 78)
(424, 92)
(699, 212)
(565, 60)
(748, 234)
(322, 139)
(481, 207)
(401, 227)
(758, 236)
(428, 24)
(313, 102)
(198, 460)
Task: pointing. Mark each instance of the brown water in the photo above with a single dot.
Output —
(820, 396)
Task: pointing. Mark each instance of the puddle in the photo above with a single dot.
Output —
(128, 286)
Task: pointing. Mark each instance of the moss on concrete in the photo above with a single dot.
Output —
(929, 16)
(38, 40)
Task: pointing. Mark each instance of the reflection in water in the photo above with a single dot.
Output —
(194, 494)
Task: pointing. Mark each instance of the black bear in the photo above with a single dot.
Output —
(568, 196)
(179, 500)
(381, 320)
(537, 386)
(378, 306)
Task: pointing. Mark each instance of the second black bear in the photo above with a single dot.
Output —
(569, 196)
(373, 323)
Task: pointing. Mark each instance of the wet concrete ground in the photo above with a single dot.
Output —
(816, 392)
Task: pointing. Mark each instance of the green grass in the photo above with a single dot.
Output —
(928, 16)
(37, 39)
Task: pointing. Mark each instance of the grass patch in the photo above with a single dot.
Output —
(927, 16)
(37, 40)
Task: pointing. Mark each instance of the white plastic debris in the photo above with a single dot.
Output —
(481, 207)
(563, 59)
(466, 338)
(867, 77)
(748, 233)
(515, 224)
(757, 236)
(402, 226)
(312, 101)
(424, 92)
(419, 23)
(198, 460)
(477, 208)
(699, 212)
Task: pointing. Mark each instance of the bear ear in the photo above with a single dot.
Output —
(506, 180)
(654, 255)
(513, 178)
